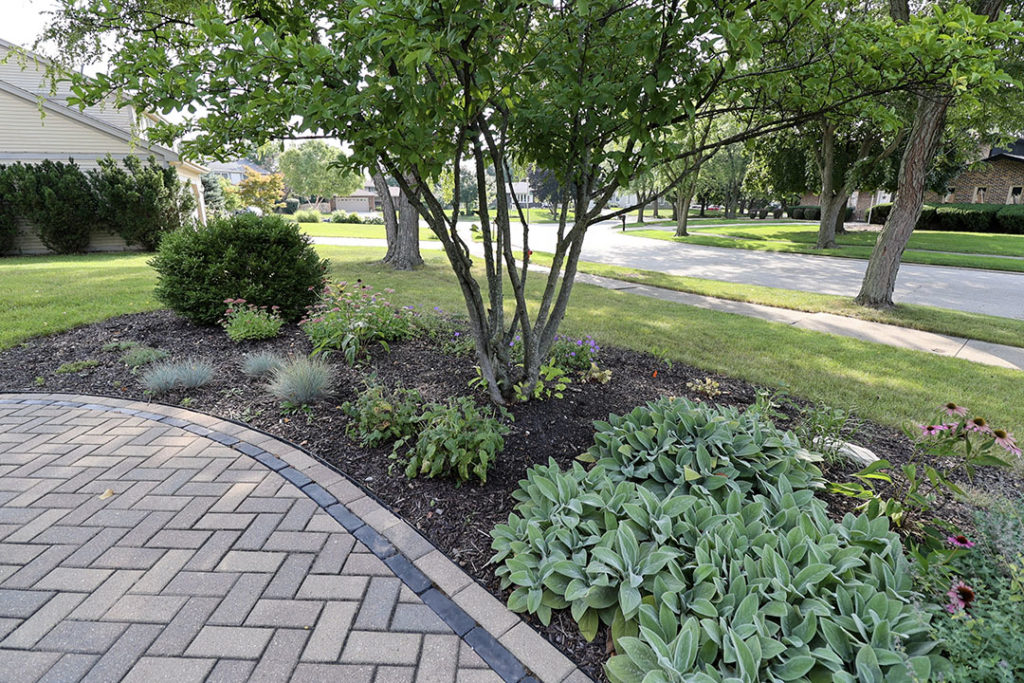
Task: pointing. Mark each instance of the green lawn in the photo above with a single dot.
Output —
(939, 320)
(353, 230)
(46, 294)
(892, 386)
(858, 252)
(805, 233)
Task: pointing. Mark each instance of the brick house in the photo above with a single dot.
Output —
(998, 178)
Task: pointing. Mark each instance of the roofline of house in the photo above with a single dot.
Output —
(1015, 157)
(81, 117)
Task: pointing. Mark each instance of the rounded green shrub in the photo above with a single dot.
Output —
(880, 212)
(927, 217)
(967, 217)
(812, 213)
(1010, 220)
(57, 199)
(307, 216)
(264, 260)
(796, 212)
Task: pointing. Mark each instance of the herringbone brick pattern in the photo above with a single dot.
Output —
(202, 565)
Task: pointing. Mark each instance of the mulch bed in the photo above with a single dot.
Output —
(456, 520)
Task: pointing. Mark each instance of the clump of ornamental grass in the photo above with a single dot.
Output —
(261, 363)
(137, 356)
(184, 374)
(301, 381)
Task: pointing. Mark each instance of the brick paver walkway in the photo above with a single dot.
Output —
(148, 543)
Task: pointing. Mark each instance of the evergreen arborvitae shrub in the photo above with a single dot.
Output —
(264, 260)
(140, 202)
(8, 212)
(57, 199)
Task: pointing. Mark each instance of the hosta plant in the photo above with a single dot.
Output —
(674, 443)
(749, 581)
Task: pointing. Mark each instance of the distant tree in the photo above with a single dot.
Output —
(312, 170)
(262, 191)
(546, 188)
(267, 155)
(213, 194)
(232, 200)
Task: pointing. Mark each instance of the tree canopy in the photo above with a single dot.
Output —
(589, 91)
(314, 169)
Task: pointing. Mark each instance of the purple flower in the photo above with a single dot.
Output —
(953, 409)
(979, 425)
(931, 430)
(960, 597)
(959, 541)
(1006, 440)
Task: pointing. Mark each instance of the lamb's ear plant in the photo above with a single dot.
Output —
(749, 580)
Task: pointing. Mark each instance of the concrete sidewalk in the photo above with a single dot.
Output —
(147, 543)
(997, 355)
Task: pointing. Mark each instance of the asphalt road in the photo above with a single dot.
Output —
(964, 289)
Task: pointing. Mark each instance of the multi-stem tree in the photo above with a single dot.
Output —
(586, 90)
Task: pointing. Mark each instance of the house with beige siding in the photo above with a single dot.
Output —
(37, 124)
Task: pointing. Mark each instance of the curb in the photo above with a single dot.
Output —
(497, 635)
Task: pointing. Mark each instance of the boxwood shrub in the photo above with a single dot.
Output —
(1010, 219)
(812, 213)
(264, 260)
(880, 213)
(966, 217)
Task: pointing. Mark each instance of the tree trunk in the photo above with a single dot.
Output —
(654, 212)
(827, 196)
(682, 205)
(640, 212)
(880, 278)
(387, 207)
(406, 254)
(841, 216)
(833, 211)
(703, 207)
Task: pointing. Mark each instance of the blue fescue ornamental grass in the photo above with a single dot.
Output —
(261, 363)
(243, 320)
(301, 381)
(185, 374)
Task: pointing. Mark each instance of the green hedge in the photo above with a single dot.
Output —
(966, 217)
(65, 205)
(804, 211)
(1010, 219)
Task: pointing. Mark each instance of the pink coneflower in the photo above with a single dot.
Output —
(978, 424)
(931, 430)
(1006, 440)
(960, 597)
(959, 541)
(953, 409)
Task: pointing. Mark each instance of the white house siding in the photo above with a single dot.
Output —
(29, 73)
(27, 137)
(27, 243)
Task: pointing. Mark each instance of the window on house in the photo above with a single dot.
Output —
(1016, 195)
(950, 195)
(979, 195)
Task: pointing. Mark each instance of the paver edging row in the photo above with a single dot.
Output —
(484, 643)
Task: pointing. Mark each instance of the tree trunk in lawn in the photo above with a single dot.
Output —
(387, 207)
(654, 211)
(640, 213)
(682, 205)
(880, 278)
(833, 210)
(841, 216)
(827, 197)
(406, 255)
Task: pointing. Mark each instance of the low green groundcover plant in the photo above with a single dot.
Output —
(244, 321)
(981, 593)
(382, 416)
(697, 538)
(453, 439)
(349, 318)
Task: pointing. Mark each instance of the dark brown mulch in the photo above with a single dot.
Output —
(456, 520)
